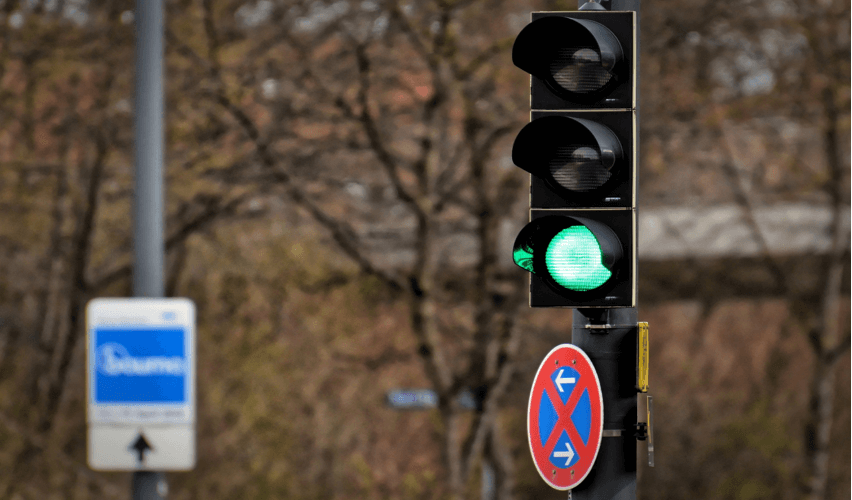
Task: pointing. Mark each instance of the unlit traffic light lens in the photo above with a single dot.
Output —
(580, 70)
(574, 156)
(575, 260)
(578, 168)
(577, 59)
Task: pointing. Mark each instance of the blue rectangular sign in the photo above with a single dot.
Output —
(140, 365)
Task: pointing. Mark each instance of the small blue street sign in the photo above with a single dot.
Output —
(135, 365)
(412, 398)
(418, 399)
(141, 383)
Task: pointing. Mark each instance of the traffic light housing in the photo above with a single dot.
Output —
(584, 58)
(580, 148)
(578, 159)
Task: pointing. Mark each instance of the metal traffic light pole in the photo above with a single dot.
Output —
(609, 338)
(148, 189)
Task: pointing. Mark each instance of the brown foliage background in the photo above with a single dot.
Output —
(341, 206)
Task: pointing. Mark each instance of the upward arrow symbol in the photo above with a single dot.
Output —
(560, 380)
(141, 446)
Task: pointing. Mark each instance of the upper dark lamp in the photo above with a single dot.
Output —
(577, 59)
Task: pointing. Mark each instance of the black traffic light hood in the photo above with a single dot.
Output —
(540, 140)
(538, 44)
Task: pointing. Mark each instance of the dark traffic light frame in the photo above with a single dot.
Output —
(580, 148)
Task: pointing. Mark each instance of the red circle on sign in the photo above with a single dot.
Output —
(565, 406)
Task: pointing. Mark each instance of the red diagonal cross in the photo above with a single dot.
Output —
(564, 417)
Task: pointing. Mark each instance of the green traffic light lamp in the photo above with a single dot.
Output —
(578, 258)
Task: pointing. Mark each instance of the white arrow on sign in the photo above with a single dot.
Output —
(568, 455)
(560, 380)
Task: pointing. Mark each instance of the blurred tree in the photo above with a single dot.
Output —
(769, 83)
(334, 101)
(390, 99)
(388, 125)
(65, 184)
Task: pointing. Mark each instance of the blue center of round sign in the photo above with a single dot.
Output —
(564, 455)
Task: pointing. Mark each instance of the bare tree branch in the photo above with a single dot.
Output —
(372, 131)
(340, 231)
(733, 168)
(388, 356)
(62, 353)
(496, 48)
(42, 445)
(213, 211)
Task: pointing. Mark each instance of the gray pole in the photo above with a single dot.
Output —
(148, 192)
(148, 122)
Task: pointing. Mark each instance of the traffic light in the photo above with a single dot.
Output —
(580, 148)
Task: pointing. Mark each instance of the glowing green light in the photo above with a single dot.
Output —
(524, 258)
(575, 260)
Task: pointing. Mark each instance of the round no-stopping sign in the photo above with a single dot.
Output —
(565, 417)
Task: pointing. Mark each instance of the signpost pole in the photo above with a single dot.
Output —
(148, 202)
(608, 337)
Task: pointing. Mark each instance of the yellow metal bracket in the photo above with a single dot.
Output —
(642, 358)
